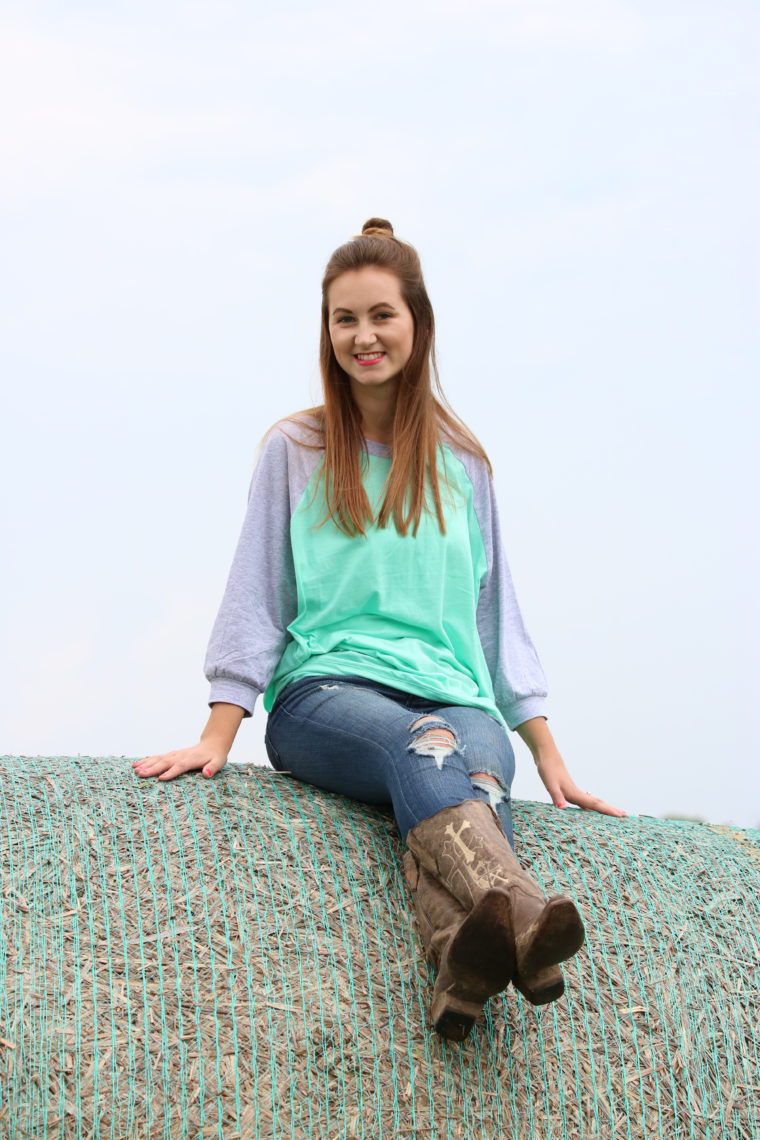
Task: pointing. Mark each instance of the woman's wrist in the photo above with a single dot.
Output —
(223, 723)
(537, 735)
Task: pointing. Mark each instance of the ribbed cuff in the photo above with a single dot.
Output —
(523, 710)
(233, 693)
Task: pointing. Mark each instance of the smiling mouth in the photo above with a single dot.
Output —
(369, 357)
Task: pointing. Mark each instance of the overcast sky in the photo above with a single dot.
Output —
(581, 182)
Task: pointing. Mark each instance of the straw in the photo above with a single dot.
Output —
(238, 958)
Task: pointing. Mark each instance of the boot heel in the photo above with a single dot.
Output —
(454, 1017)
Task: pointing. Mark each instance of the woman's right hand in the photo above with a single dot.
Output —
(209, 755)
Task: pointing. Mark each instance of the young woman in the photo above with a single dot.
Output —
(370, 602)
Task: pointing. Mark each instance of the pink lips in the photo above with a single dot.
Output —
(375, 360)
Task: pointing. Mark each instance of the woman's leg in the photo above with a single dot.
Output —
(380, 745)
(485, 749)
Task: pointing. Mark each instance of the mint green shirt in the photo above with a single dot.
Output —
(433, 614)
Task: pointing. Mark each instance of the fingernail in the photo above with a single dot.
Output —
(206, 771)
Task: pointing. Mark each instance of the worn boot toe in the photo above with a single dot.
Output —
(553, 936)
(546, 986)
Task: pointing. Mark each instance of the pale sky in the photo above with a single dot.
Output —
(581, 183)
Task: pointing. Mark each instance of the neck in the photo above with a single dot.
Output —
(378, 410)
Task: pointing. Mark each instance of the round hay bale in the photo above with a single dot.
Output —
(237, 958)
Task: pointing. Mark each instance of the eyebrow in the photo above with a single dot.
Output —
(379, 305)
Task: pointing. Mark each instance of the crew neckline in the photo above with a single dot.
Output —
(382, 450)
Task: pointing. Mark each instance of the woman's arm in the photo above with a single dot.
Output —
(554, 775)
(519, 684)
(518, 679)
(259, 602)
(260, 598)
(210, 753)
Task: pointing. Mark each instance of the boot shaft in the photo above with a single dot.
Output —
(438, 913)
(465, 848)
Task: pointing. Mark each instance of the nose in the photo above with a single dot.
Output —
(365, 335)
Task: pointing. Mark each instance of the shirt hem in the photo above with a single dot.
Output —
(394, 681)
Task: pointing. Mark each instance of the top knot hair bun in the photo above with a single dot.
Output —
(376, 227)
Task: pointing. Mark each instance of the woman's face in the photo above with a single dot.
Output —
(371, 326)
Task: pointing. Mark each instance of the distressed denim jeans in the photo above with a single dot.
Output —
(383, 746)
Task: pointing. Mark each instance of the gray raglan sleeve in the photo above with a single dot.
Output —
(518, 678)
(260, 599)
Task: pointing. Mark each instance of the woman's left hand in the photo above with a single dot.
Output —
(563, 789)
(554, 775)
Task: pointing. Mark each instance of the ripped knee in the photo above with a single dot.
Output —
(487, 777)
(433, 737)
(492, 786)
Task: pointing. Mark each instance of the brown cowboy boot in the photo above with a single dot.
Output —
(473, 953)
(467, 851)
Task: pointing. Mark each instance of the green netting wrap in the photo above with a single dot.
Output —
(237, 958)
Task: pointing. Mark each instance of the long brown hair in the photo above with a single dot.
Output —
(422, 414)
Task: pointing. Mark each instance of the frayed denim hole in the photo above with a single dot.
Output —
(496, 792)
(434, 737)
